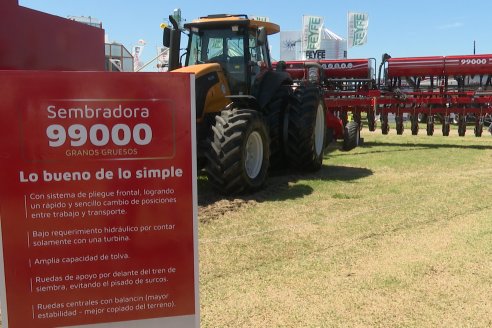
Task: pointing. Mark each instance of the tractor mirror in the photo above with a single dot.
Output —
(262, 36)
(166, 37)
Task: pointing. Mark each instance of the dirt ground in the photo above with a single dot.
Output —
(212, 205)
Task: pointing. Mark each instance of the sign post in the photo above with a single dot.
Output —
(98, 200)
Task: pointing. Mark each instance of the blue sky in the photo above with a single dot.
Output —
(400, 28)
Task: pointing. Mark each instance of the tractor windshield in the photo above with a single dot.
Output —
(214, 46)
(223, 46)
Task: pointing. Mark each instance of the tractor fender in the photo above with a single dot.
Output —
(211, 88)
(266, 86)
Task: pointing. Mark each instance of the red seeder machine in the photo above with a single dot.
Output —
(449, 89)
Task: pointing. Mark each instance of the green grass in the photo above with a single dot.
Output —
(397, 233)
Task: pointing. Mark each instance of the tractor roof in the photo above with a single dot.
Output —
(220, 20)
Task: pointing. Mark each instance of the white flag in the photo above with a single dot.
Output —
(136, 52)
(137, 55)
(357, 29)
(312, 26)
(290, 45)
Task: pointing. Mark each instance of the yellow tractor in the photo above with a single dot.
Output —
(249, 117)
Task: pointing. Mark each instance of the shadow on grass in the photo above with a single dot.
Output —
(406, 147)
(283, 185)
(426, 145)
(342, 173)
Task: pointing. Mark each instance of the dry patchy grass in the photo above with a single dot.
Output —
(397, 233)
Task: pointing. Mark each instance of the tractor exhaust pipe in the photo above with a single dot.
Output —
(174, 45)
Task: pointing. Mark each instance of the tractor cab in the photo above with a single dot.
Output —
(238, 44)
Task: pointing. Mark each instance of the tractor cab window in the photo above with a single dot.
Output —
(258, 55)
(225, 47)
(215, 49)
(257, 52)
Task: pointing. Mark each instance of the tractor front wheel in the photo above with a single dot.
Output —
(275, 113)
(238, 157)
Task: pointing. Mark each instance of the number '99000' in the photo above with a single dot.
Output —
(99, 135)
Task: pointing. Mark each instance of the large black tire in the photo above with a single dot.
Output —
(239, 153)
(275, 112)
(306, 132)
(351, 136)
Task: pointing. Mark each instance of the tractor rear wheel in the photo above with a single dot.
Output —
(275, 112)
(351, 136)
(239, 153)
(306, 132)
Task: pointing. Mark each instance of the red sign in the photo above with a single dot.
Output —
(97, 199)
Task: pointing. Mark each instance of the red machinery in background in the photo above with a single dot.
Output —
(446, 88)
(338, 68)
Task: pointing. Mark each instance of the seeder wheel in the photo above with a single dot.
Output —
(462, 125)
(445, 129)
(478, 127)
(430, 125)
(399, 124)
(445, 126)
(384, 124)
(415, 124)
